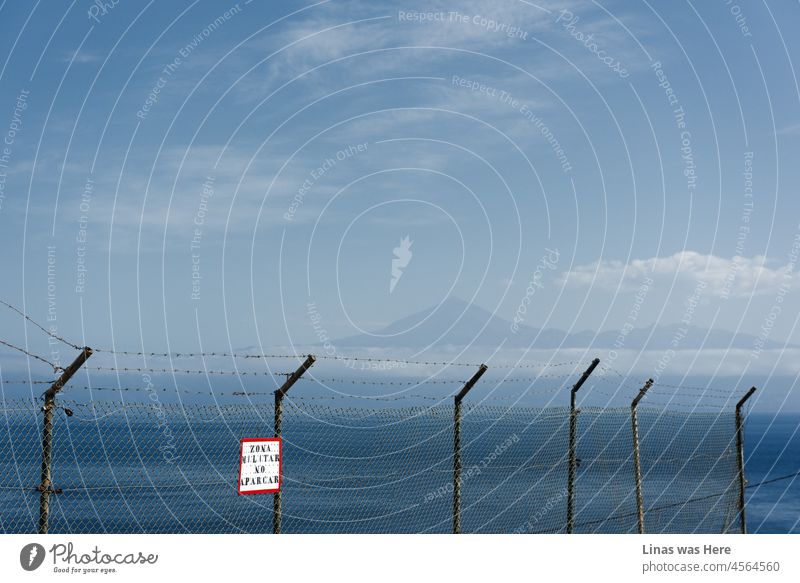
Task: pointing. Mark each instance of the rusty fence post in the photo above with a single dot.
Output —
(573, 438)
(637, 463)
(740, 457)
(46, 485)
(279, 394)
(457, 446)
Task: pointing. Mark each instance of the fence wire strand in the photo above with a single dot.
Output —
(39, 326)
(338, 358)
(56, 367)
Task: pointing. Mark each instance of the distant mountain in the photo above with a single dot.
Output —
(458, 323)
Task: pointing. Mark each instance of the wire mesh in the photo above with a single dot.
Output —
(689, 469)
(134, 467)
(367, 470)
(20, 466)
(518, 456)
(153, 467)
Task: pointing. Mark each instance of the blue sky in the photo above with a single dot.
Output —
(195, 173)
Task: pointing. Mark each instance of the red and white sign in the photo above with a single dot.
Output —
(260, 465)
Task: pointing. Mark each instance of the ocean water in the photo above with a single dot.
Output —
(772, 446)
(164, 468)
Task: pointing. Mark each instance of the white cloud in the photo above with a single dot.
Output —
(736, 277)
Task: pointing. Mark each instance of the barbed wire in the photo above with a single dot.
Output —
(331, 357)
(42, 328)
(428, 381)
(381, 383)
(490, 365)
(394, 360)
(530, 379)
(278, 356)
(196, 354)
(420, 396)
(695, 388)
(212, 393)
(294, 397)
(655, 398)
(538, 364)
(656, 401)
(706, 391)
(56, 367)
(209, 393)
(301, 398)
(339, 380)
(604, 379)
(26, 382)
(185, 371)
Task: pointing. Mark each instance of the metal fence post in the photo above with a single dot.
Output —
(457, 447)
(46, 485)
(637, 464)
(573, 437)
(740, 457)
(279, 394)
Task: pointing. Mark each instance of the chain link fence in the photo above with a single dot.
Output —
(152, 467)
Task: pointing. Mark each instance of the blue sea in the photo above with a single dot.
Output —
(772, 446)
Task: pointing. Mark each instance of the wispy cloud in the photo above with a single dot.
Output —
(408, 37)
(82, 56)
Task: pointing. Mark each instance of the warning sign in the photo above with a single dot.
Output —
(260, 465)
